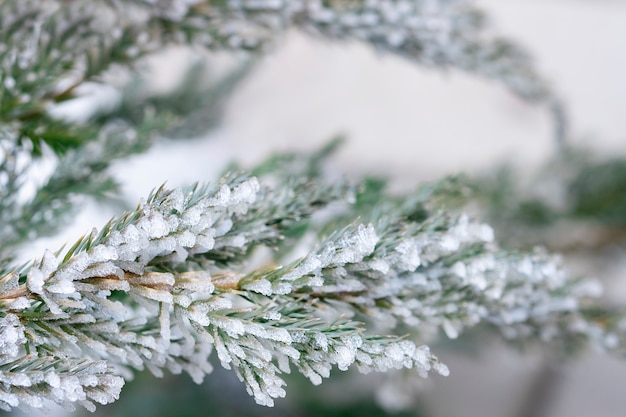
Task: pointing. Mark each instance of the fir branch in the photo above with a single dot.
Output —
(441, 34)
(52, 48)
(80, 172)
(49, 50)
(164, 285)
(43, 55)
(45, 61)
(66, 306)
(35, 380)
(145, 292)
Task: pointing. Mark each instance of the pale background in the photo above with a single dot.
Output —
(415, 124)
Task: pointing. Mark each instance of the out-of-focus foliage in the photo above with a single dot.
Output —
(577, 193)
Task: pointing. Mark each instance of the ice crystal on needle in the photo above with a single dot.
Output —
(176, 266)
(51, 49)
(435, 33)
(165, 285)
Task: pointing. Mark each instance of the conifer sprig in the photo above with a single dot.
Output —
(51, 48)
(164, 285)
(146, 292)
(440, 34)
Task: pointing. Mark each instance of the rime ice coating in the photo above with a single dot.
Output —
(177, 267)
(189, 310)
(165, 285)
(437, 33)
(32, 381)
(50, 49)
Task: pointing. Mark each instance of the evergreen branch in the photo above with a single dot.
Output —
(66, 304)
(44, 51)
(79, 172)
(440, 34)
(45, 62)
(49, 50)
(163, 286)
(34, 380)
(111, 135)
(145, 292)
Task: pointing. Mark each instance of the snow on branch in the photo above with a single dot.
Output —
(440, 33)
(50, 49)
(146, 292)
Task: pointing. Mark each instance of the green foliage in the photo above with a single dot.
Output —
(584, 191)
(598, 192)
(290, 270)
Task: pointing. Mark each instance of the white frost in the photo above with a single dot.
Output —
(355, 246)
